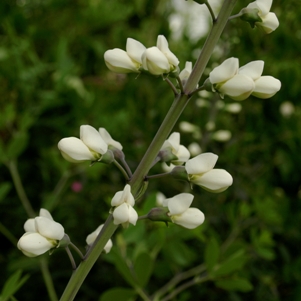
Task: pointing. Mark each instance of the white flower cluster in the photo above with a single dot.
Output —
(42, 233)
(156, 60)
(91, 146)
(240, 83)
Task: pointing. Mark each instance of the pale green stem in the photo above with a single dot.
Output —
(71, 258)
(12, 166)
(160, 175)
(210, 10)
(77, 250)
(175, 91)
(147, 161)
(125, 174)
(47, 279)
(235, 16)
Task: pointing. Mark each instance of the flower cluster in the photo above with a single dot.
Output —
(258, 13)
(240, 83)
(123, 202)
(91, 146)
(156, 60)
(42, 234)
(92, 236)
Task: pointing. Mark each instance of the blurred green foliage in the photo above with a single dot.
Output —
(53, 79)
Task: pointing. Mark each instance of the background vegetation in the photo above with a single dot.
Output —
(53, 79)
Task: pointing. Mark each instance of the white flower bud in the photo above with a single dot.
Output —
(162, 44)
(155, 62)
(108, 139)
(135, 50)
(266, 87)
(117, 60)
(91, 238)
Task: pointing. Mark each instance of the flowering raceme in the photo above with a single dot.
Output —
(41, 234)
(90, 147)
(124, 213)
(240, 83)
(181, 214)
(200, 172)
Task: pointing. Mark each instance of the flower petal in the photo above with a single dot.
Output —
(135, 49)
(201, 163)
(253, 69)
(117, 60)
(45, 213)
(34, 244)
(238, 87)
(215, 180)
(179, 203)
(121, 214)
(74, 150)
(266, 87)
(264, 6)
(269, 22)
(91, 137)
(108, 139)
(190, 219)
(29, 225)
(155, 61)
(48, 228)
(162, 44)
(225, 71)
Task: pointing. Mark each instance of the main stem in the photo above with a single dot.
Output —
(145, 165)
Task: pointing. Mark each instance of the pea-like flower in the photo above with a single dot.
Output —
(201, 172)
(92, 236)
(90, 147)
(124, 213)
(120, 61)
(181, 214)
(173, 152)
(267, 20)
(42, 234)
(155, 62)
(240, 83)
(162, 44)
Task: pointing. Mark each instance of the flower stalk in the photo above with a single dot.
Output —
(136, 182)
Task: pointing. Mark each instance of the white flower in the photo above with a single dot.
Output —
(124, 213)
(269, 20)
(42, 234)
(92, 236)
(222, 135)
(90, 146)
(155, 62)
(172, 145)
(160, 197)
(185, 73)
(181, 214)
(162, 44)
(108, 139)
(121, 61)
(200, 172)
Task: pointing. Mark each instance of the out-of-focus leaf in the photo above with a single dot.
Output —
(4, 189)
(211, 253)
(118, 293)
(143, 267)
(231, 264)
(12, 285)
(239, 284)
(17, 145)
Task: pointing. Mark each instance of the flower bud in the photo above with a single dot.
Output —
(266, 87)
(155, 62)
(162, 44)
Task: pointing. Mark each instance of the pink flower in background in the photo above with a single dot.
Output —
(76, 186)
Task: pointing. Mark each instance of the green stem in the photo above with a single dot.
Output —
(12, 166)
(92, 255)
(160, 175)
(47, 279)
(210, 10)
(125, 174)
(146, 163)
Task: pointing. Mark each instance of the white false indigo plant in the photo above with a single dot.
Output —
(228, 79)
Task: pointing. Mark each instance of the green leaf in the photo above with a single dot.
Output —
(239, 284)
(143, 267)
(12, 285)
(212, 254)
(17, 144)
(122, 267)
(231, 264)
(118, 293)
(4, 189)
